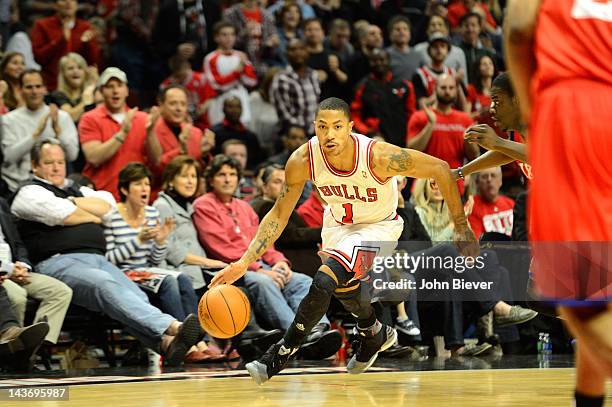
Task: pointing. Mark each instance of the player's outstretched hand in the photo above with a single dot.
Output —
(483, 135)
(229, 274)
(466, 242)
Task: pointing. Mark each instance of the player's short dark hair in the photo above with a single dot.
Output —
(219, 25)
(335, 104)
(503, 83)
(398, 19)
(471, 14)
(215, 166)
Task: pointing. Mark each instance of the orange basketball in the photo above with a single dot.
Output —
(224, 311)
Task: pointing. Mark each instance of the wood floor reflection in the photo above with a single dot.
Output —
(473, 388)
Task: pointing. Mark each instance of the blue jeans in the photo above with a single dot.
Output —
(275, 306)
(177, 296)
(101, 287)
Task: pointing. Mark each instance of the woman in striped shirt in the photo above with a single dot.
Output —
(136, 243)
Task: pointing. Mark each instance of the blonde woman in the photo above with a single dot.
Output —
(432, 210)
(76, 85)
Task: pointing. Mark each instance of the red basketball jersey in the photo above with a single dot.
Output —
(573, 42)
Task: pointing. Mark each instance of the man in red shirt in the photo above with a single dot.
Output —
(113, 135)
(491, 212)
(438, 131)
(226, 225)
(55, 36)
(175, 133)
(559, 56)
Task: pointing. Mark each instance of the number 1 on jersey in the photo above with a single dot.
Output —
(348, 213)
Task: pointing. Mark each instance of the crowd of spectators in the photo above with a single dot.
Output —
(176, 118)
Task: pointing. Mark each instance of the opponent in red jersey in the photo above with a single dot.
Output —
(562, 74)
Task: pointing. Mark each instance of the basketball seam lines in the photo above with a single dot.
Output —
(229, 309)
(212, 319)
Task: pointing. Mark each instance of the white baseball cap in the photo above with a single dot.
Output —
(110, 73)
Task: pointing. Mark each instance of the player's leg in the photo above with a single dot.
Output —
(590, 379)
(374, 337)
(309, 313)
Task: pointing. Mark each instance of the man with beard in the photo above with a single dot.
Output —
(383, 104)
(438, 131)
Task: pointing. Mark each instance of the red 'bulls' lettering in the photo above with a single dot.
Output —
(372, 194)
(343, 191)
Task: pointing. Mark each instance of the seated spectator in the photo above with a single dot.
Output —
(432, 210)
(11, 67)
(255, 33)
(455, 58)
(332, 76)
(181, 31)
(473, 48)
(225, 227)
(17, 345)
(338, 41)
(113, 135)
(76, 86)
(288, 27)
(404, 60)
(60, 225)
(460, 8)
(185, 254)
(306, 9)
(438, 131)
(264, 119)
(175, 134)
(293, 138)
(479, 90)
(298, 242)
(229, 72)
(237, 150)
(426, 77)
(136, 243)
(199, 91)
(55, 36)
(53, 295)
(312, 210)
(492, 212)
(383, 104)
(295, 90)
(359, 63)
(233, 128)
(36, 120)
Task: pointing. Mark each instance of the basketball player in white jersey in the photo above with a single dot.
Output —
(353, 174)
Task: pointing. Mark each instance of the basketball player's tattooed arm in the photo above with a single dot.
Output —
(273, 224)
(519, 29)
(390, 160)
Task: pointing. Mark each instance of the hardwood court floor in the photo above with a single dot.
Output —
(473, 388)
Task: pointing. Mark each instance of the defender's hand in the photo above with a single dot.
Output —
(229, 274)
(483, 135)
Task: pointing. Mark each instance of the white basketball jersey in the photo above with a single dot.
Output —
(356, 196)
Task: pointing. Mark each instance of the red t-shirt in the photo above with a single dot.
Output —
(479, 100)
(446, 141)
(458, 10)
(99, 125)
(492, 216)
(253, 15)
(311, 211)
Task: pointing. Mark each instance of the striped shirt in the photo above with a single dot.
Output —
(122, 247)
(296, 99)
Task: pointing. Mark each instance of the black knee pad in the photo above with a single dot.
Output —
(322, 284)
(342, 275)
